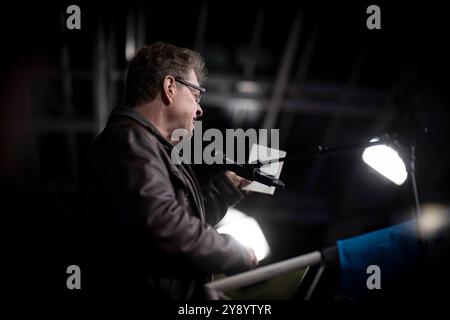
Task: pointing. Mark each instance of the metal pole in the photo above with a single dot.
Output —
(412, 169)
(261, 274)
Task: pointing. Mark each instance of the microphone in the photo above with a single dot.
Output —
(252, 172)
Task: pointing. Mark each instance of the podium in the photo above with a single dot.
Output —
(393, 250)
(215, 289)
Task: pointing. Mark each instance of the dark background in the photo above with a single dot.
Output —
(332, 80)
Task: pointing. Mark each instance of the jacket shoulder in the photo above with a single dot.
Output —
(127, 131)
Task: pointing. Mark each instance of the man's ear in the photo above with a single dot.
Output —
(168, 89)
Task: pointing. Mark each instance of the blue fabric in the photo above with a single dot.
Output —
(394, 250)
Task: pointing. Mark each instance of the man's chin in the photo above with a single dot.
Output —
(189, 132)
(181, 134)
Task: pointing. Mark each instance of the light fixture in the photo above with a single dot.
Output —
(246, 230)
(386, 161)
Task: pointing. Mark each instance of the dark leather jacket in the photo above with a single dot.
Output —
(148, 227)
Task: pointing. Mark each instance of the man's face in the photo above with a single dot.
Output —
(185, 109)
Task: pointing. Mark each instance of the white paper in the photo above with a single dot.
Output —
(263, 153)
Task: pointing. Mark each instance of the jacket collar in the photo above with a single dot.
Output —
(130, 113)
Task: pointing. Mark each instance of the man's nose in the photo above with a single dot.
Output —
(199, 112)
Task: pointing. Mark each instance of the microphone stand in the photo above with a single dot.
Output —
(324, 151)
(253, 170)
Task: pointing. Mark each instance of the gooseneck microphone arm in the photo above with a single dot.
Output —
(324, 151)
(252, 171)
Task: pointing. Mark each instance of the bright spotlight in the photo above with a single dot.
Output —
(246, 230)
(386, 161)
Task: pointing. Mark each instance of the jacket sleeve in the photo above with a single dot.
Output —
(141, 189)
(219, 194)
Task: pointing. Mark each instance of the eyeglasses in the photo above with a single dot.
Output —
(188, 84)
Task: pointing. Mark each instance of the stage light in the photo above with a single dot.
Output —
(246, 230)
(386, 161)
